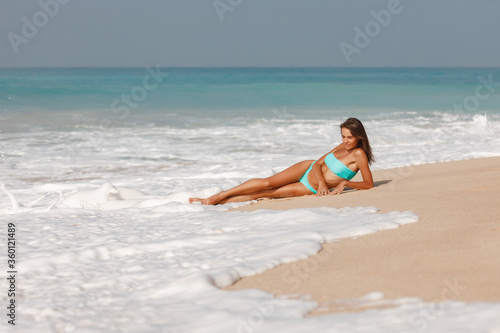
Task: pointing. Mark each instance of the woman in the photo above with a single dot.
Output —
(333, 170)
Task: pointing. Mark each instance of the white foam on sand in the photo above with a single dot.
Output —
(147, 262)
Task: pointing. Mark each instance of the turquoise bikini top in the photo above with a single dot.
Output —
(338, 167)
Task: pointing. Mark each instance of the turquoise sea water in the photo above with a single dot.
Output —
(177, 95)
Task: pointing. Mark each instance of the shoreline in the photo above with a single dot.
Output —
(449, 254)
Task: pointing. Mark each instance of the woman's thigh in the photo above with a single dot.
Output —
(290, 190)
(289, 175)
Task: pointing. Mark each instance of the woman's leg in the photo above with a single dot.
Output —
(289, 190)
(285, 177)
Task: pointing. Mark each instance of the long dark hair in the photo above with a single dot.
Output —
(358, 130)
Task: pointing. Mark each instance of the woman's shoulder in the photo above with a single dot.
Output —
(359, 153)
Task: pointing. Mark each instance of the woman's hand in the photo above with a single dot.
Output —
(339, 188)
(322, 190)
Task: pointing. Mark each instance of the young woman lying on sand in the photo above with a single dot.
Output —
(333, 170)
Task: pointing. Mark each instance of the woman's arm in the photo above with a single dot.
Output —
(318, 173)
(364, 168)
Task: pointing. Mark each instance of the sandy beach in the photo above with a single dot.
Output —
(450, 254)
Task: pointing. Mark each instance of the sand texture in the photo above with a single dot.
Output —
(452, 253)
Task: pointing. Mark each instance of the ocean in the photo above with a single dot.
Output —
(98, 164)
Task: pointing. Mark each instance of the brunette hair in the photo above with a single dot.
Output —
(358, 130)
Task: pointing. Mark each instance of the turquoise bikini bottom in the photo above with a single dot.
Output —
(305, 181)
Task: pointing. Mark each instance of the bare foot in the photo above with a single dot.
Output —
(213, 200)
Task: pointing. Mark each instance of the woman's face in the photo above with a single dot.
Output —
(349, 140)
